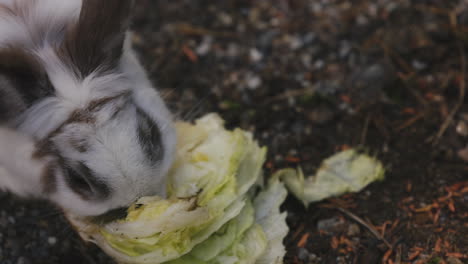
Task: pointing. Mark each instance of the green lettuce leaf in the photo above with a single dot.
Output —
(347, 171)
(207, 187)
(273, 222)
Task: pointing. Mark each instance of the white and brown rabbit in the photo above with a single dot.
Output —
(80, 123)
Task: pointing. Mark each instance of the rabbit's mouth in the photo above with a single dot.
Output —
(109, 216)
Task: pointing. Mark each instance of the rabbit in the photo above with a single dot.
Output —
(81, 125)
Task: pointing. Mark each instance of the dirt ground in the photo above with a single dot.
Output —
(310, 78)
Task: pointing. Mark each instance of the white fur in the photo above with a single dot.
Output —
(14, 174)
(50, 13)
(114, 155)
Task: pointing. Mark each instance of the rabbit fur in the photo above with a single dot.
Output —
(80, 123)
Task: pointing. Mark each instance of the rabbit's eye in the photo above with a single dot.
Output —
(149, 136)
(82, 181)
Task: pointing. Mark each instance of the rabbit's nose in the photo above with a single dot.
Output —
(109, 216)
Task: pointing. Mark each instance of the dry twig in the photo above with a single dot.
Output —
(366, 225)
(435, 139)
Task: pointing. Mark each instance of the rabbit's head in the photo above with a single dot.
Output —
(103, 132)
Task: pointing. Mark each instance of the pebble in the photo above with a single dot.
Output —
(306, 256)
(341, 260)
(233, 50)
(453, 260)
(319, 64)
(362, 20)
(367, 83)
(463, 154)
(306, 60)
(309, 38)
(462, 128)
(255, 55)
(23, 260)
(328, 87)
(205, 46)
(345, 49)
(253, 81)
(418, 65)
(295, 42)
(265, 40)
(52, 240)
(303, 254)
(330, 225)
(321, 115)
(225, 18)
(353, 230)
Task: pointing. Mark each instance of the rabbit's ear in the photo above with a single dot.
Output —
(21, 171)
(96, 41)
(22, 82)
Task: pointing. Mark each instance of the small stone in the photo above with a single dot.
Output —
(253, 81)
(233, 50)
(330, 225)
(341, 260)
(266, 39)
(303, 254)
(462, 128)
(362, 20)
(309, 38)
(321, 115)
(295, 42)
(372, 10)
(453, 260)
(319, 64)
(23, 260)
(279, 158)
(463, 154)
(418, 65)
(255, 55)
(345, 49)
(225, 19)
(353, 230)
(205, 46)
(52, 240)
(316, 7)
(275, 22)
(306, 60)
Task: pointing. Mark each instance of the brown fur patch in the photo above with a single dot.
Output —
(99, 103)
(45, 147)
(6, 10)
(48, 180)
(81, 145)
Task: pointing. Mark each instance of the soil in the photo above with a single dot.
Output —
(311, 78)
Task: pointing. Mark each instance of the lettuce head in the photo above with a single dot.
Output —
(215, 211)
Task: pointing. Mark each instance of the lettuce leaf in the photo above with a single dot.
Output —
(273, 222)
(207, 187)
(347, 171)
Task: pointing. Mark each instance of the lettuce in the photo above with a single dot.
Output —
(273, 222)
(211, 214)
(347, 171)
(218, 209)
